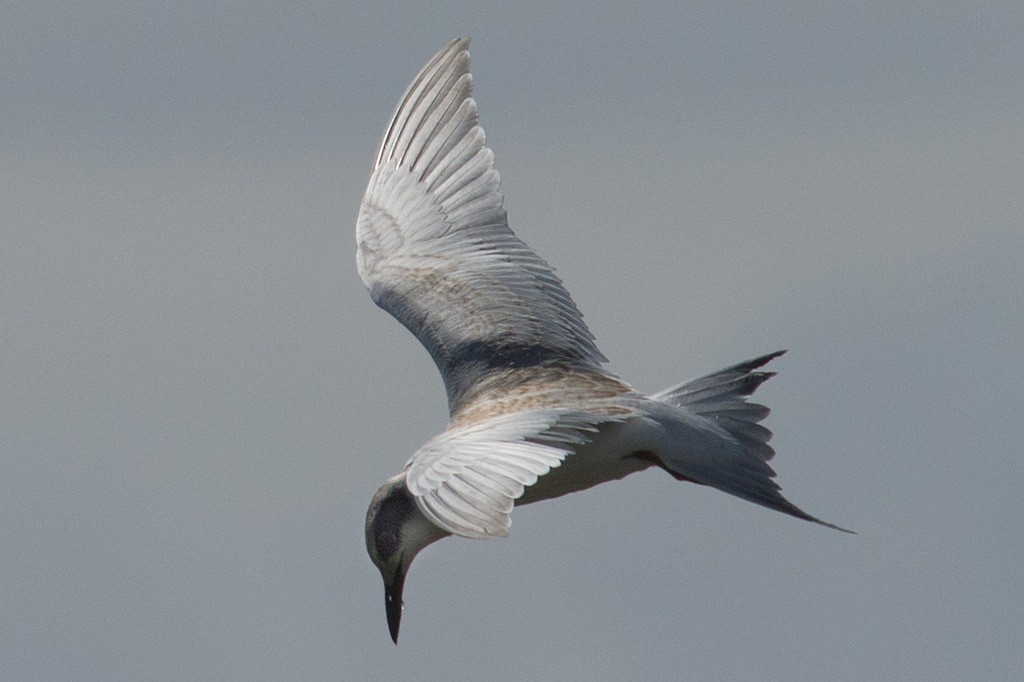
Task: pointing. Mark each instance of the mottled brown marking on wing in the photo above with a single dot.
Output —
(534, 388)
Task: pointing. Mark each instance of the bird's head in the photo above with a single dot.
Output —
(396, 531)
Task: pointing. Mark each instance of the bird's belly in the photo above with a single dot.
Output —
(610, 454)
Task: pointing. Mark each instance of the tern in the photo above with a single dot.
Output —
(533, 413)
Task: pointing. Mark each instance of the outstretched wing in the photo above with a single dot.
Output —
(467, 480)
(435, 249)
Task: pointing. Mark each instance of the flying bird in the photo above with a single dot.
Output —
(533, 413)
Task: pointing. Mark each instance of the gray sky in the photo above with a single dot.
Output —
(199, 398)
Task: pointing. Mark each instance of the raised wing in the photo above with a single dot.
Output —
(467, 480)
(435, 249)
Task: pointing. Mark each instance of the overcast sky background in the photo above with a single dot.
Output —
(199, 398)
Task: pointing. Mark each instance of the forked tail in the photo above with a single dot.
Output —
(717, 438)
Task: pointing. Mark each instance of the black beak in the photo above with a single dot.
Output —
(393, 604)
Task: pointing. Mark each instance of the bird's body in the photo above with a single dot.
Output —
(533, 413)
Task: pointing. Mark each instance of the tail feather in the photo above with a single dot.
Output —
(721, 397)
(735, 461)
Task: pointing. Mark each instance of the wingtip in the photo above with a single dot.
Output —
(457, 45)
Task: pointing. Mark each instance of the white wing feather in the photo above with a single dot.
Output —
(467, 480)
(435, 249)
